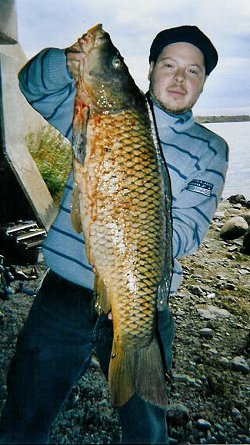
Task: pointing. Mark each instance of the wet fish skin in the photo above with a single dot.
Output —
(121, 202)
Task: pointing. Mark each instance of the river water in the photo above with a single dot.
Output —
(237, 135)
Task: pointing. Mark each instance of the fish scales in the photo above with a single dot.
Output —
(120, 198)
(118, 248)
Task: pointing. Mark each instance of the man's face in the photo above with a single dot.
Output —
(177, 77)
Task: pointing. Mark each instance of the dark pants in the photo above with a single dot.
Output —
(53, 351)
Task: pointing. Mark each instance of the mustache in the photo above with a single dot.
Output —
(176, 87)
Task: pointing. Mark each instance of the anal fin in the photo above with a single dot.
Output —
(102, 303)
(121, 374)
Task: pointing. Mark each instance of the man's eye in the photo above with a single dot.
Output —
(169, 67)
(193, 72)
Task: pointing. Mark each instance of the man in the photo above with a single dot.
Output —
(55, 347)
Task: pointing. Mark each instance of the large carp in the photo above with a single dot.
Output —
(121, 202)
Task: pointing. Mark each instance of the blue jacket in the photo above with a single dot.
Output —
(197, 160)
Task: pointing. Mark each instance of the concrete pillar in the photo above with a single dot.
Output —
(8, 22)
(17, 118)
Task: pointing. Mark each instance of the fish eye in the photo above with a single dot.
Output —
(116, 63)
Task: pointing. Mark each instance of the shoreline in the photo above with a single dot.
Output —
(221, 119)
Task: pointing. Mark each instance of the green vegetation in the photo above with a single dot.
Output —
(52, 154)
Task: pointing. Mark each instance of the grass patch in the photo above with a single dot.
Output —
(52, 154)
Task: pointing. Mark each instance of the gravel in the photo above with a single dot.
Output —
(210, 387)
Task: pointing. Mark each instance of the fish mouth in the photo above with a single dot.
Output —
(95, 29)
(93, 37)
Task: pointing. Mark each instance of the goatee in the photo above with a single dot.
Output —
(168, 109)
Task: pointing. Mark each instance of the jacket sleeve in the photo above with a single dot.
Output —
(49, 88)
(194, 208)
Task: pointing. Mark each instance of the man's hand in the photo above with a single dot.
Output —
(74, 56)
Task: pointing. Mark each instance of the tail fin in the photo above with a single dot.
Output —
(137, 371)
(150, 380)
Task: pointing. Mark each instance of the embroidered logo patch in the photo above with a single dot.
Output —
(198, 186)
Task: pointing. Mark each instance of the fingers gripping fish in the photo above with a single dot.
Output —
(121, 203)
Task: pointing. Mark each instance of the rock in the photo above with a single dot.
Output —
(219, 214)
(213, 351)
(210, 324)
(179, 313)
(1, 318)
(240, 364)
(3, 391)
(205, 313)
(206, 332)
(180, 377)
(222, 438)
(246, 216)
(244, 439)
(211, 439)
(177, 414)
(172, 441)
(196, 290)
(234, 228)
(240, 404)
(211, 312)
(233, 248)
(203, 424)
(219, 427)
(237, 199)
(72, 401)
(211, 295)
(236, 412)
(246, 347)
(246, 243)
(244, 271)
(237, 207)
(236, 210)
(94, 363)
(229, 286)
(224, 362)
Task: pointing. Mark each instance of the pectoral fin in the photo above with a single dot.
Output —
(79, 137)
(75, 210)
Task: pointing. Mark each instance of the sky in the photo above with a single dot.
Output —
(133, 24)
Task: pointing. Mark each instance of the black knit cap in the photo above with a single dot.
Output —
(188, 34)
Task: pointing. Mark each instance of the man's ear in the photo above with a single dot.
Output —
(151, 67)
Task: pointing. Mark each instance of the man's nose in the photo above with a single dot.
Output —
(179, 76)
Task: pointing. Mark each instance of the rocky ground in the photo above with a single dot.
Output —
(210, 387)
